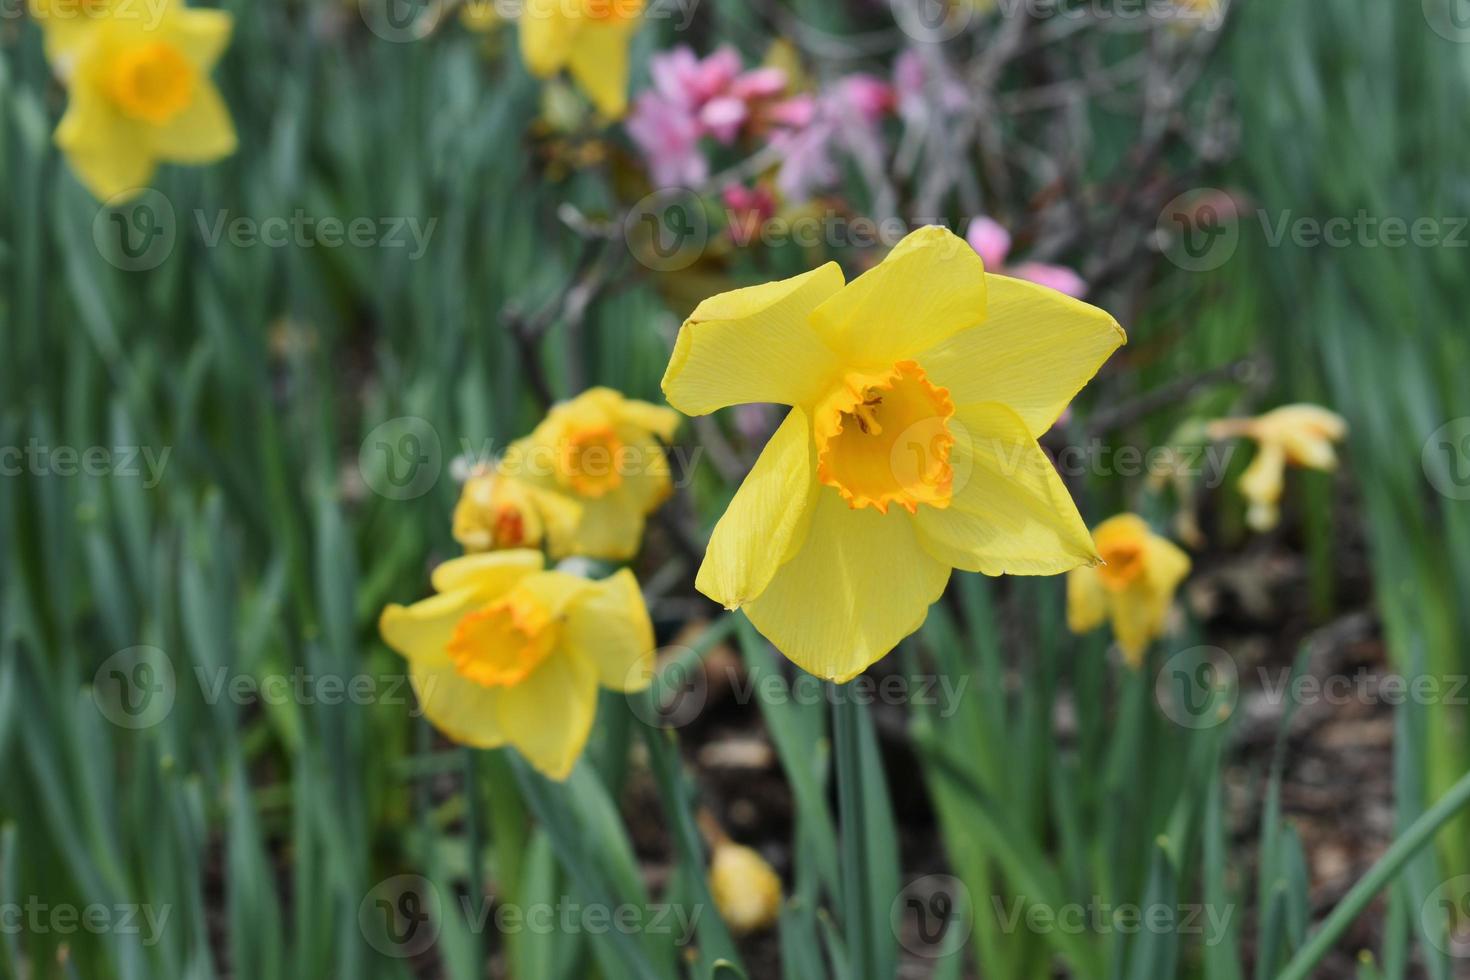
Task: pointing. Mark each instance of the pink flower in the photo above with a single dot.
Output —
(993, 244)
(844, 118)
(692, 99)
(922, 92)
(747, 210)
(668, 136)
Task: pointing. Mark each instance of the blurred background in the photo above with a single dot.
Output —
(235, 410)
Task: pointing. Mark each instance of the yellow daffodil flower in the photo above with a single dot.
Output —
(1134, 588)
(140, 94)
(66, 24)
(918, 392)
(1298, 434)
(496, 511)
(507, 653)
(590, 39)
(746, 889)
(606, 453)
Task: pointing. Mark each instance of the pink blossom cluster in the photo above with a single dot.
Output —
(693, 99)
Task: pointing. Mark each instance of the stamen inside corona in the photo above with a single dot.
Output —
(500, 645)
(884, 438)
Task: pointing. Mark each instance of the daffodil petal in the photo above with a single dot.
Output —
(202, 36)
(1010, 513)
(858, 585)
(1087, 600)
(598, 61)
(1133, 623)
(1167, 565)
(610, 528)
(488, 575)
(767, 518)
(463, 710)
(662, 422)
(1034, 352)
(608, 625)
(754, 345)
(421, 631)
(1263, 479)
(546, 37)
(108, 153)
(548, 716)
(202, 133)
(929, 288)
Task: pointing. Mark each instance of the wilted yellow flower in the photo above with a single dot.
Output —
(140, 93)
(745, 888)
(507, 653)
(924, 384)
(590, 39)
(1134, 588)
(497, 511)
(603, 451)
(1298, 434)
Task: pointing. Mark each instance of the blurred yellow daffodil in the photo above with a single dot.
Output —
(66, 24)
(507, 653)
(918, 393)
(140, 94)
(746, 889)
(496, 511)
(1134, 588)
(1298, 434)
(590, 39)
(605, 452)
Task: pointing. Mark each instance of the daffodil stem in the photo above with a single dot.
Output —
(1420, 833)
(474, 826)
(845, 735)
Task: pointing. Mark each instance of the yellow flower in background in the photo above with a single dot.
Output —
(66, 24)
(140, 94)
(507, 653)
(1298, 434)
(590, 39)
(497, 511)
(918, 393)
(606, 452)
(746, 889)
(1134, 588)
